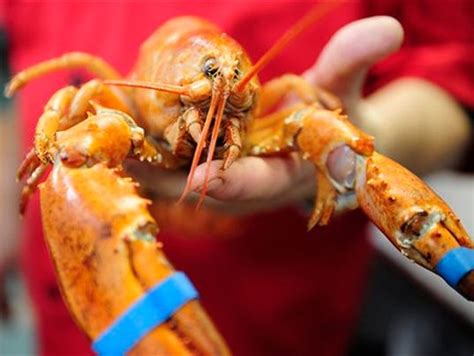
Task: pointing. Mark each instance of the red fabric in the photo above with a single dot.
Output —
(275, 289)
(439, 45)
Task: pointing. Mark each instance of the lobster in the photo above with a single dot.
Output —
(194, 91)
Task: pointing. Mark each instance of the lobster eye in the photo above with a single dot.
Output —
(210, 67)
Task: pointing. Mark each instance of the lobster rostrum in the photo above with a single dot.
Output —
(194, 96)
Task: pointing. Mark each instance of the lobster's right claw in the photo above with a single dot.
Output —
(113, 274)
(416, 220)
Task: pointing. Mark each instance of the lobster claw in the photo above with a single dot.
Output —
(419, 223)
(101, 237)
(113, 274)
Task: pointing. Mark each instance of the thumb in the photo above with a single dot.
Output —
(345, 60)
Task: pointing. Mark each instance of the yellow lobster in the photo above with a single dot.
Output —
(194, 91)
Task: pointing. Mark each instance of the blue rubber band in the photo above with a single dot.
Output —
(455, 265)
(154, 308)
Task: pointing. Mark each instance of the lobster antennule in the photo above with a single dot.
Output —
(169, 88)
(313, 15)
(212, 147)
(200, 146)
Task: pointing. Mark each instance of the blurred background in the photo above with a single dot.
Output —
(406, 310)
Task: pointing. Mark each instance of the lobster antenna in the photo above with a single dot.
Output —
(169, 88)
(200, 145)
(313, 15)
(212, 147)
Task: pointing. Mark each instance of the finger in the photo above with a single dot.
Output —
(157, 181)
(352, 50)
(253, 178)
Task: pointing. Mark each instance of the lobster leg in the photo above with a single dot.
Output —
(49, 122)
(233, 141)
(194, 122)
(37, 159)
(101, 237)
(177, 134)
(30, 186)
(67, 107)
(96, 91)
(276, 89)
(411, 215)
(29, 164)
(70, 60)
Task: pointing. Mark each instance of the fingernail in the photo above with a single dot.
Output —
(341, 165)
(213, 184)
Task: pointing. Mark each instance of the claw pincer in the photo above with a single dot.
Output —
(419, 223)
(416, 220)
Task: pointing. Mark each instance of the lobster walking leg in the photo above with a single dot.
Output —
(411, 215)
(276, 89)
(233, 139)
(30, 186)
(49, 122)
(70, 60)
(97, 92)
(67, 107)
(29, 164)
(178, 134)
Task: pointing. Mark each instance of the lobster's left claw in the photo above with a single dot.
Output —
(420, 224)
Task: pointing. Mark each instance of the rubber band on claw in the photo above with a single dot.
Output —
(455, 265)
(154, 308)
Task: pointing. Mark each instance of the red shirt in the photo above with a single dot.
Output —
(274, 289)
